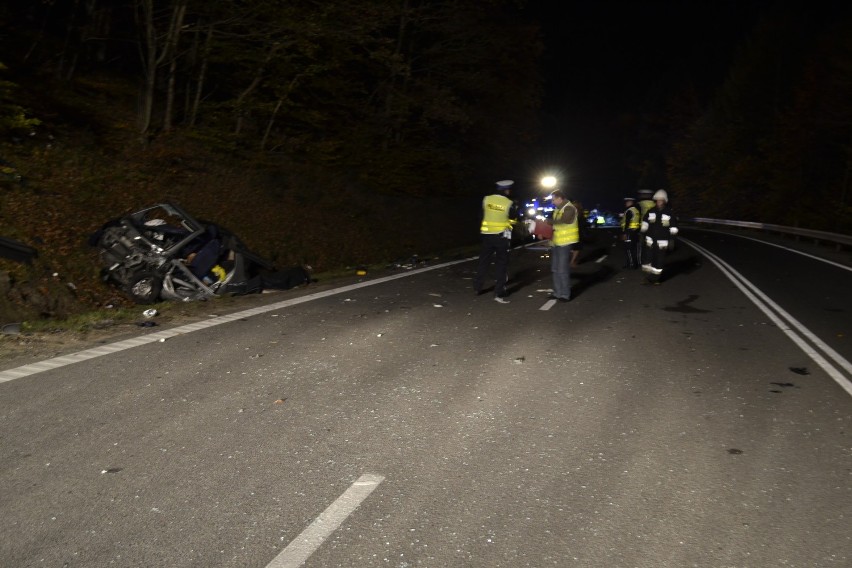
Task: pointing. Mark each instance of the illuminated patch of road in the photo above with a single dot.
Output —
(56, 362)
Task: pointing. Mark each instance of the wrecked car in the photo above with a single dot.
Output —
(162, 253)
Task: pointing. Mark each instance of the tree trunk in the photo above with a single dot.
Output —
(69, 30)
(258, 77)
(270, 123)
(396, 61)
(148, 48)
(202, 72)
(153, 56)
(40, 35)
(171, 52)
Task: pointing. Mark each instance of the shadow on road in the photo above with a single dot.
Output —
(681, 262)
(523, 278)
(587, 278)
(585, 275)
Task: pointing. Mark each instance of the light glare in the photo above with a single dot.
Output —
(548, 182)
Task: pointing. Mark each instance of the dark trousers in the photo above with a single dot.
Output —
(497, 247)
(632, 247)
(205, 259)
(656, 257)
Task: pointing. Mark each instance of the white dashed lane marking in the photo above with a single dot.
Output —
(301, 547)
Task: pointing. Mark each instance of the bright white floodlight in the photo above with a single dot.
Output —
(548, 182)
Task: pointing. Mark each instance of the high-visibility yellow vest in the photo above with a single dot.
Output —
(495, 214)
(644, 206)
(564, 233)
(635, 221)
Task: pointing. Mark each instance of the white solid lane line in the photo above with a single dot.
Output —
(301, 547)
(56, 362)
(790, 327)
(782, 247)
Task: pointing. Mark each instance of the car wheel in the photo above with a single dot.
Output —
(146, 288)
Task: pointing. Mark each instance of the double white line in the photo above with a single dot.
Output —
(812, 345)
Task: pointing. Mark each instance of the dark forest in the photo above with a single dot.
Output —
(356, 131)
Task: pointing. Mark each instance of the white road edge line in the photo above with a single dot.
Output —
(825, 260)
(53, 363)
(62, 361)
(837, 357)
(300, 548)
(763, 303)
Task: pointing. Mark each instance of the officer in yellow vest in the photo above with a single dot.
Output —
(645, 204)
(630, 222)
(498, 216)
(566, 234)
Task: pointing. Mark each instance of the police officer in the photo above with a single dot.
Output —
(645, 204)
(630, 222)
(498, 216)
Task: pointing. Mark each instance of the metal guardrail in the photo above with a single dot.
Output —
(823, 236)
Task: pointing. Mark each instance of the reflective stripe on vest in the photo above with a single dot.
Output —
(564, 233)
(495, 214)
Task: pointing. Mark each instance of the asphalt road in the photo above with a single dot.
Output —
(407, 422)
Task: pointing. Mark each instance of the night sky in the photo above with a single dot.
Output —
(608, 61)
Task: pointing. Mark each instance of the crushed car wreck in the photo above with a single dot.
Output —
(163, 253)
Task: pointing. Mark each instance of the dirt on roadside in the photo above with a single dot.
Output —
(23, 347)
